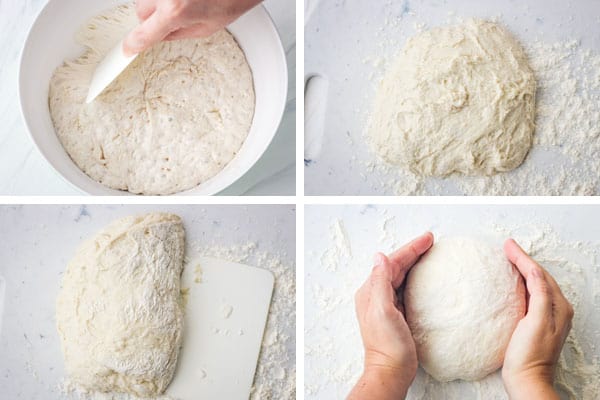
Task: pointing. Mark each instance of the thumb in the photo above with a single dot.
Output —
(147, 34)
(194, 31)
(540, 295)
(382, 291)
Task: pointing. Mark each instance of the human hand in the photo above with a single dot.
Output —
(537, 341)
(390, 352)
(179, 19)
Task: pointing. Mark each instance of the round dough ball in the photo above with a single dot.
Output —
(459, 99)
(463, 301)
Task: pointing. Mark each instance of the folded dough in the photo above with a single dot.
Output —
(119, 312)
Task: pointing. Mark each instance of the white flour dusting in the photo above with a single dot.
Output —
(340, 250)
(226, 311)
(75, 392)
(332, 336)
(566, 153)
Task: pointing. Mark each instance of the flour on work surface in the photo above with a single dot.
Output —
(565, 156)
(333, 361)
(74, 392)
(119, 312)
(275, 377)
(171, 121)
(340, 252)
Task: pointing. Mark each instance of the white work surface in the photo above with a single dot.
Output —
(343, 41)
(338, 258)
(37, 243)
(23, 171)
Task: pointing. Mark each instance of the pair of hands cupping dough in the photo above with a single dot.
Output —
(393, 329)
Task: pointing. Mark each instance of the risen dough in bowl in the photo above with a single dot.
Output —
(459, 99)
(174, 119)
(463, 300)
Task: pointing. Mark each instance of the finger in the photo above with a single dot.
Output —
(553, 284)
(382, 292)
(538, 287)
(194, 31)
(562, 307)
(361, 299)
(549, 301)
(565, 312)
(540, 295)
(404, 258)
(150, 32)
(399, 302)
(519, 258)
(144, 9)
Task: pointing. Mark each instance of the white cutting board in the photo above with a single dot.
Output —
(225, 317)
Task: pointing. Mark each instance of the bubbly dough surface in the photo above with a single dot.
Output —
(174, 119)
(463, 301)
(119, 312)
(458, 99)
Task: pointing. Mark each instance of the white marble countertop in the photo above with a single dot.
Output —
(23, 170)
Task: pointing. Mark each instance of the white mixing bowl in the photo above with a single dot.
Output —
(51, 41)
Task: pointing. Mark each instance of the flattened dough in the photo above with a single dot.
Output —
(459, 99)
(119, 312)
(463, 301)
(174, 119)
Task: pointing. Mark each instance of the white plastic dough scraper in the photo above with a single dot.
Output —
(226, 311)
(108, 70)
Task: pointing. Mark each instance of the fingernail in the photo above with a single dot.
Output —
(127, 50)
(135, 47)
(134, 42)
(378, 259)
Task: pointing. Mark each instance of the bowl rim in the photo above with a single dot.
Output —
(279, 49)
